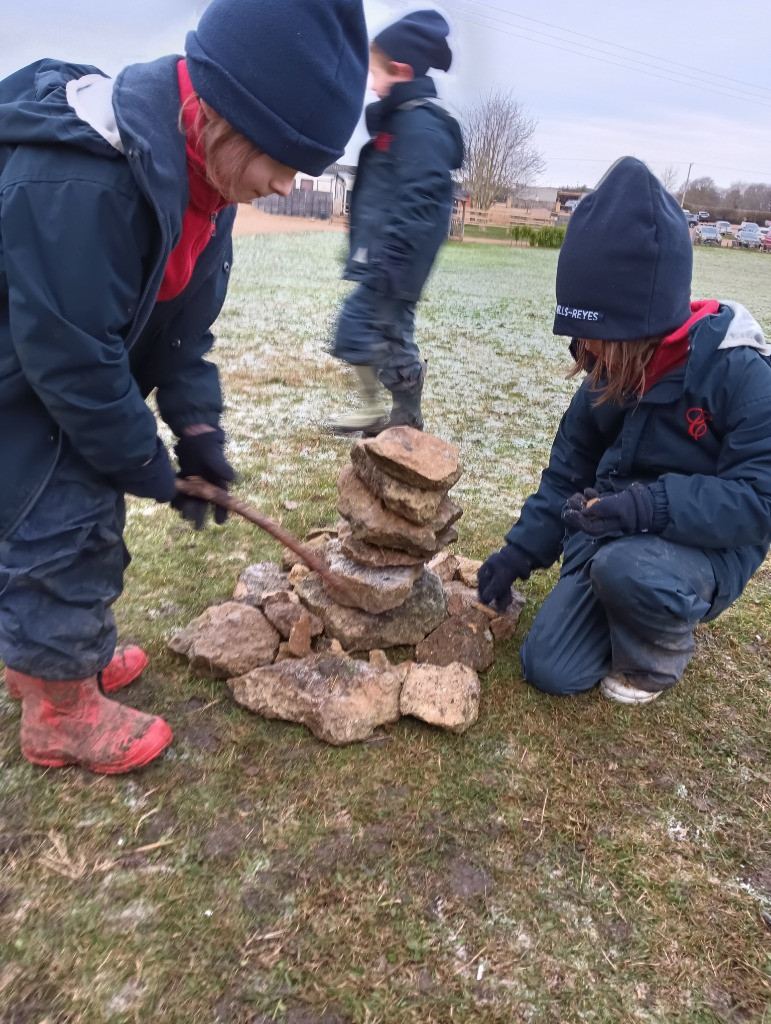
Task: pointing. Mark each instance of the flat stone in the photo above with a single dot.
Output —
(464, 638)
(417, 504)
(284, 609)
(373, 523)
(357, 630)
(446, 696)
(372, 590)
(504, 626)
(467, 570)
(444, 565)
(227, 640)
(341, 700)
(299, 643)
(416, 458)
(460, 598)
(258, 580)
(370, 555)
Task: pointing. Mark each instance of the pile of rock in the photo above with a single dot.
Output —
(396, 516)
(284, 642)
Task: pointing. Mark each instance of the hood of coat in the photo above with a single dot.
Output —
(36, 107)
(420, 92)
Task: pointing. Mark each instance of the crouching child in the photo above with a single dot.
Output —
(658, 488)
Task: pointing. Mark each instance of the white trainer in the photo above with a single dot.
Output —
(617, 688)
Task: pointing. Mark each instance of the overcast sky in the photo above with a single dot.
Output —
(670, 81)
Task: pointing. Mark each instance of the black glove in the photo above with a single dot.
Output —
(496, 575)
(203, 455)
(153, 480)
(614, 515)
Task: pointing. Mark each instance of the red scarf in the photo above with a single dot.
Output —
(203, 205)
(673, 350)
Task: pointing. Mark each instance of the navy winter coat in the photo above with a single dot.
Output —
(700, 438)
(402, 198)
(85, 233)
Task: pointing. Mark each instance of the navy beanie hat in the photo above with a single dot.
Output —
(418, 39)
(624, 270)
(289, 75)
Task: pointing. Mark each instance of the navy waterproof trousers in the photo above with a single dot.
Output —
(60, 572)
(631, 609)
(377, 330)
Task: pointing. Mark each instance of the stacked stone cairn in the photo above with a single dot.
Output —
(291, 649)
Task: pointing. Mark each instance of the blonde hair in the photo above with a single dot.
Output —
(226, 153)
(618, 371)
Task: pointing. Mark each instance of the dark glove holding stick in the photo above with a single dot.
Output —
(201, 453)
(612, 515)
(496, 575)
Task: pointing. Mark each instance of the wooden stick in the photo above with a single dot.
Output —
(195, 487)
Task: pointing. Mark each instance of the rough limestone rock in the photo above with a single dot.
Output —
(258, 580)
(445, 696)
(379, 659)
(372, 590)
(317, 543)
(459, 597)
(368, 554)
(299, 643)
(227, 640)
(373, 523)
(415, 458)
(298, 572)
(444, 565)
(504, 626)
(283, 609)
(417, 504)
(464, 638)
(339, 699)
(357, 630)
(467, 570)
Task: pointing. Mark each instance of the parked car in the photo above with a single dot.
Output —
(692, 219)
(763, 232)
(749, 224)
(724, 227)
(748, 237)
(706, 234)
(767, 243)
(703, 215)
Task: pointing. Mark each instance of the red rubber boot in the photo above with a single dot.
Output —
(127, 664)
(66, 723)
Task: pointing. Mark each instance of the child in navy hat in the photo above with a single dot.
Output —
(116, 218)
(400, 214)
(658, 488)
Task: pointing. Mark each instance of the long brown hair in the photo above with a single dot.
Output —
(225, 152)
(618, 371)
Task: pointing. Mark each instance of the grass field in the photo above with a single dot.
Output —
(564, 861)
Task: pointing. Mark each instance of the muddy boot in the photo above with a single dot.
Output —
(372, 411)
(73, 723)
(406, 410)
(127, 664)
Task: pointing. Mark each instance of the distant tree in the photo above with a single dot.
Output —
(732, 197)
(757, 197)
(702, 193)
(668, 179)
(501, 157)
